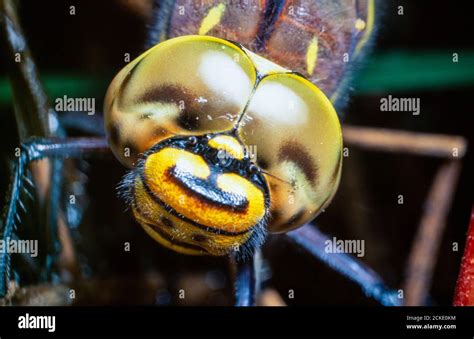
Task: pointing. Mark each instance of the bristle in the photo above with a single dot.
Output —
(28, 193)
(28, 181)
(256, 240)
(125, 187)
(22, 206)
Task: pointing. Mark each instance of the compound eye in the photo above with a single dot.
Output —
(296, 131)
(191, 85)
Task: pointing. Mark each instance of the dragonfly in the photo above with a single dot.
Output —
(225, 68)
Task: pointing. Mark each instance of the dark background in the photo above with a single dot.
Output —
(92, 44)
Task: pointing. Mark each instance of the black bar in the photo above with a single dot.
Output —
(221, 321)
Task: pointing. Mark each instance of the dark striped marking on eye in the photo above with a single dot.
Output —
(160, 132)
(295, 218)
(187, 118)
(207, 191)
(297, 153)
(114, 133)
(275, 216)
(132, 147)
(165, 93)
(262, 163)
(126, 82)
(338, 167)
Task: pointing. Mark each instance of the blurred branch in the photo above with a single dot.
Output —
(425, 247)
(424, 144)
(245, 280)
(314, 241)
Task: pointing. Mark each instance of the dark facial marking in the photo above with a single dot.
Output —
(208, 192)
(175, 241)
(167, 222)
(199, 238)
(169, 209)
(296, 153)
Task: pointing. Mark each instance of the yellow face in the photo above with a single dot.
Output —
(200, 195)
(224, 145)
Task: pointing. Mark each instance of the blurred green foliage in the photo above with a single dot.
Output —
(393, 71)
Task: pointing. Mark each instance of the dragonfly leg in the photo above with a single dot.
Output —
(245, 280)
(314, 241)
(32, 150)
(90, 125)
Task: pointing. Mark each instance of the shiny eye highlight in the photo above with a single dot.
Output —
(253, 169)
(192, 140)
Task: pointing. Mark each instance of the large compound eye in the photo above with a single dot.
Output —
(297, 135)
(189, 85)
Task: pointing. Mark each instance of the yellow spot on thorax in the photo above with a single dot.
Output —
(312, 55)
(369, 25)
(212, 18)
(360, 24)
(228, 144)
